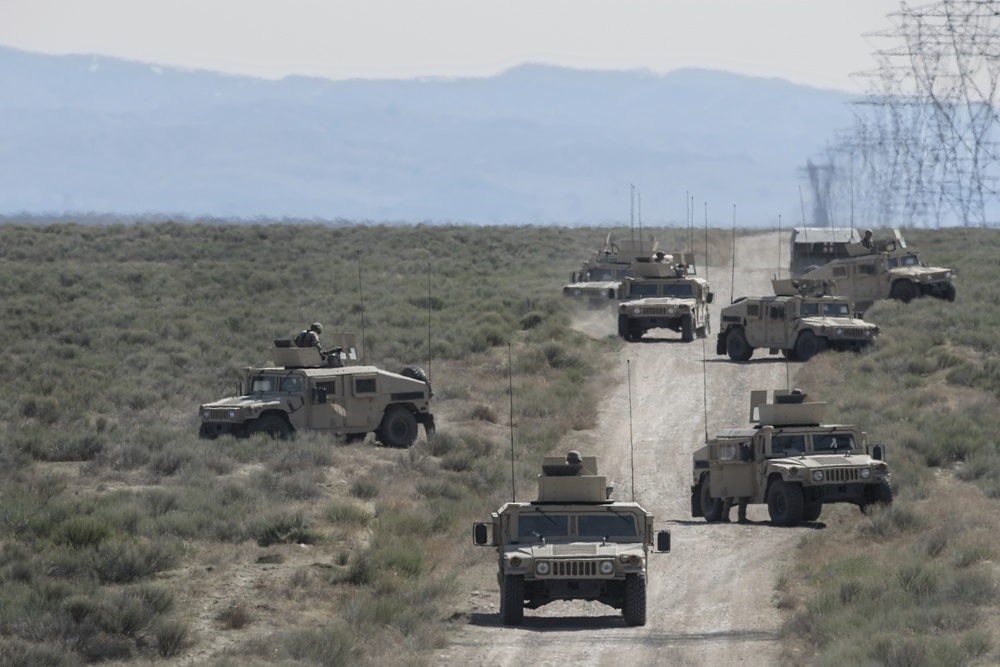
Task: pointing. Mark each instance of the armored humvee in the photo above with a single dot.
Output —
(599, 279)
(572, 543)
(304, 391)
(790, 461)
(814, 246)
(887, 271)
(798, 323)
(667, 294)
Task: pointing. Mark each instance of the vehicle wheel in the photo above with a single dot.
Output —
(812, 512)
(880, 494)
(950, 293)
(415, 373)
(737, 346)
(687, 328)
(785, 503)
(273, 426)
(904, 291)
(711, 507)
(809, 345)
(634, 609)
(623, 326)
(634, 332)
(512, 599)
(398, 428)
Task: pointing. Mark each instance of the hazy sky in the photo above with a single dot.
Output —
(818, 43)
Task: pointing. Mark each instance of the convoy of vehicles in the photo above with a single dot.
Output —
(665, 293)
(573, 543)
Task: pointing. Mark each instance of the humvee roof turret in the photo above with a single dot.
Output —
(599, 280)
(789, 460)
(305, 391)
(573, 543)
(666, 293)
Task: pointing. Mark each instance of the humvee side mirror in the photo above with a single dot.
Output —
(878, 452)
(663, 541)
(710, 297)
(480, 535)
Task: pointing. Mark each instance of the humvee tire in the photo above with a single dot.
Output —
(812, 512)
(737, 346)
(950, 294)
(785, 503)
(634, 609)
(711, 508)
(512, 599)
(398, 428)
(879, 495)
(273, 426)
(904, 290)
(687, 328)
(808, 345)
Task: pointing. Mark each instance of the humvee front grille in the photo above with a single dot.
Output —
(575, 568)
(854, 333)
(217, 415)
(842, 474)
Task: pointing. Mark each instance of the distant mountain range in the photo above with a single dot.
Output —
(534, 145)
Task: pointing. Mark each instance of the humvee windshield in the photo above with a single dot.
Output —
(677, 290)
(905, 260)
(828, 309)
(785, 445)
(606, 525)
(542, 525)
(263, 383)
(601, 274)
(833, 442)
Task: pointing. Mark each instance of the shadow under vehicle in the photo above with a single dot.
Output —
(794, 321)
(790, 461)
(305, 391)
(599, 279)
(666, 293)
(573, 543)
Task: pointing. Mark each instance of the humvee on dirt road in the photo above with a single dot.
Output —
(572, 543)
(665, 293)
(599, 279)
(789, 460)
(304, 391)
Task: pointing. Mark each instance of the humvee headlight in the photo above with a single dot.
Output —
(637, 310)
(868, 333)
(232, 414)
(947, 274)
(576, 292)
(817, 475)
(204, 414)
(629, 559)
(607, 567)
(542, 568)
(866, 473)
(671, 310)
(839, 332)
(515, 561)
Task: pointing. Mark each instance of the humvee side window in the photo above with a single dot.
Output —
(892, 262)
(546, 525)
(364, 386)
(291, 384)
(777, 312)
(606, 525)
(788, 444)
(833, 442)
(807, 309)
(866, 269)
(836, 310)
(753, 310)
(839, 271)
(263, 383)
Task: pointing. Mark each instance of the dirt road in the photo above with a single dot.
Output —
(710, 600)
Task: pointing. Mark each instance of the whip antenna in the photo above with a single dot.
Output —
(732, 286)
(631, 446)
(704, 340)
(428, 320)
(510, 376)
(361, 297)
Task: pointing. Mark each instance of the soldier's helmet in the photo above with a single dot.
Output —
(317, 327)
(573, 457)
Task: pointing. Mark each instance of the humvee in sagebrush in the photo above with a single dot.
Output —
(796, 321)
(886, 271)
(573, 543)
(303, 391)
(599, 280)
(665, 293)
(789, 460)
(815, 246)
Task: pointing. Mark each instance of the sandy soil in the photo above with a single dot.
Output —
(711, 600)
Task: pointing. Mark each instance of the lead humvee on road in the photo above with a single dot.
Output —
(789, 460)
(666, 293)
(573, 543)
(304, 391)
(794, 321)
(599, 279)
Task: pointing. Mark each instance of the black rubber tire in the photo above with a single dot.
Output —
(634, 608)
(737, 346)
(687, 328)
(904, 290)
(881, 494)
(623, 326)
(418, 374)
(812, 512)
(785, 504)
(512, 599)
(808, 345)
(950, 293)
(398, 428)
(271, 425)
(711, 508)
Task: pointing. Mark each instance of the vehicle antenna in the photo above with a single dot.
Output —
(706, 240)
(779, 247)
(690, 223)
(704, 344)
(510, 377)
(805, 229)
(429, 321)
(631, 213)
(641, 248)
(361, 297)
(631, 445)
(732, 286)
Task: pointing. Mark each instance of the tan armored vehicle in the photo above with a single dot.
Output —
(815, 246)
(665, 294)
(794, 322)
(887, 271)
(572, 543)
(304, 391)
(790, 461)
(600, 278)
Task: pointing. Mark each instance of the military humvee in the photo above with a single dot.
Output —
(790, 461)
(815, 246)
(794, 321)
(887, 271)
(572, 543)
(667, 294)
(304, 391)
(600, 278)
